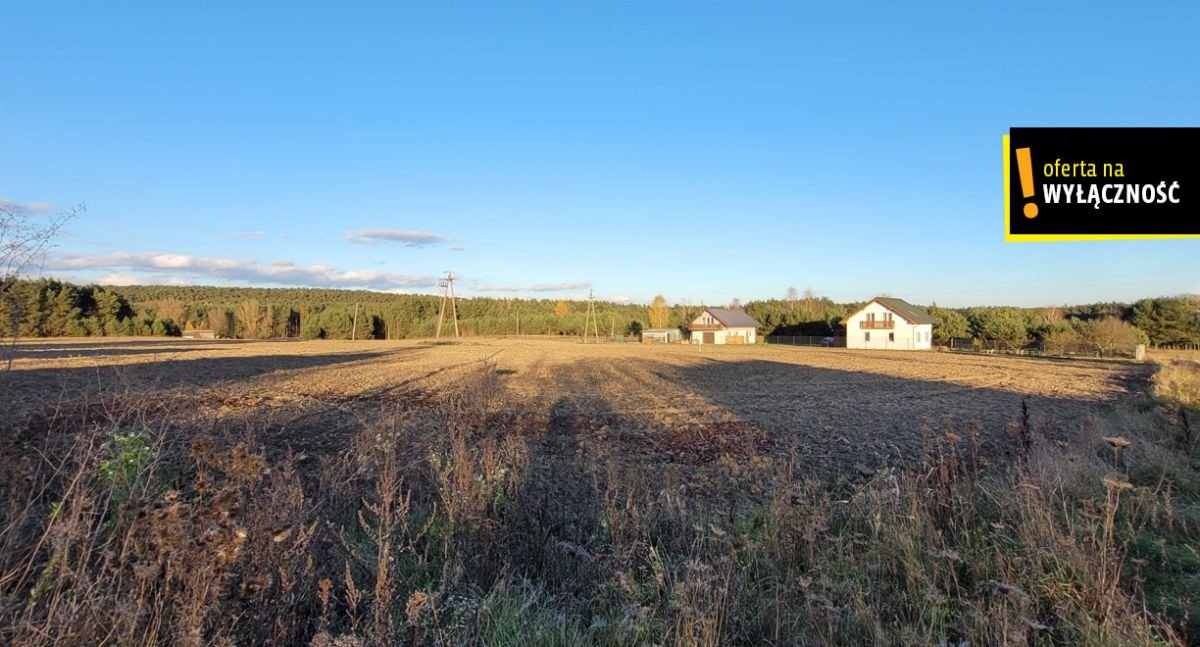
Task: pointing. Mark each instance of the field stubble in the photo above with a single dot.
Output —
(842, 411)
(520, 491)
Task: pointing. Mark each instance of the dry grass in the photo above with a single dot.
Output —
(581, 495)
(1179, 379)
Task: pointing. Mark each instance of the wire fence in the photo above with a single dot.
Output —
(807, 340)
(1034, 347)
(1038, 347)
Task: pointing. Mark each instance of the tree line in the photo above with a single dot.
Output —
(51, 308)
(1158, 321)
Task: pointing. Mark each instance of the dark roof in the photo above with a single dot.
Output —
(911, 313)
(733, 318)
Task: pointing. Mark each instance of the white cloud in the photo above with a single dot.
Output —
(116, 278)
(246, 235)
(13, 206)
(150, 261)
(456, 248)
(404, 237)
(539, 287)
(125, 266)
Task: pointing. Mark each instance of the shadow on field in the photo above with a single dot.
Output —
(836, 422)
(559, 494)
(68, 350)
(848, 419)
(33, 388)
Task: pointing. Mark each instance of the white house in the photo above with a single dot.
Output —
(724, 326)
(889, 324)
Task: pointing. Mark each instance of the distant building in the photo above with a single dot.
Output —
(198, 334)
(889, 324)
(661, 335)
(724, 326)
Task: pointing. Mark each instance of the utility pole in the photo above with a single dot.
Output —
(447, 285)
(453, 304)
(591, 319)
(354, 326)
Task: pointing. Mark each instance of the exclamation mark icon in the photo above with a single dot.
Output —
(1025, 170)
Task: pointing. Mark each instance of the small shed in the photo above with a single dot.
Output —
(198, 334)
(661, 335)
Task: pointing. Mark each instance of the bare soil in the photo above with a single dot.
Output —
(678, 412)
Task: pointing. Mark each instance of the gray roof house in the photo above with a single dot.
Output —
(724, 326)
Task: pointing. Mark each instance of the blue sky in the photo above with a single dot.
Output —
(704, 151)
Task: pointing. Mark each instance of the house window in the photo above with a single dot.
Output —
(868, 336)
(891, 336)
(887, 316)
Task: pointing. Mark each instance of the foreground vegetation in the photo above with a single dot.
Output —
(435, 528)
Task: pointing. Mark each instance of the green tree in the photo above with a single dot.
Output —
(950, 324)
(164, 328)
(1174, 320)
(1005, 325)
(64, 311)
(110, 308)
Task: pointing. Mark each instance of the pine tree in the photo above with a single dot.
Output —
(63, 311)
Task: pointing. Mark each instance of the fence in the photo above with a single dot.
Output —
(1177, 347)
(1036, 347)
(807, 340)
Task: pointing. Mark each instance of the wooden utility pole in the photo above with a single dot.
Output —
(453, 305)
(591, 319)
(354, 326)
(441, 311)
(447, 285)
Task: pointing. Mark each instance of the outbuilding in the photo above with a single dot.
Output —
(661, 335)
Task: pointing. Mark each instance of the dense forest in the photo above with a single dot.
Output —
(50, 308)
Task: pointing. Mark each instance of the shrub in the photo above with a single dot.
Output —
(126, 455)
(165, 328)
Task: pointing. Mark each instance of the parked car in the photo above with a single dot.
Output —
(827, 341)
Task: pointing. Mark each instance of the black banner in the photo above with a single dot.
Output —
(1098, 183)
